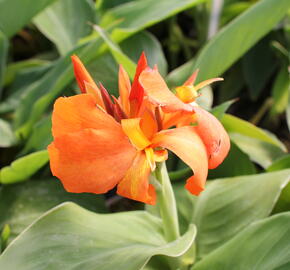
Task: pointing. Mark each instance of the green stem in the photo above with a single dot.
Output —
(167, 203)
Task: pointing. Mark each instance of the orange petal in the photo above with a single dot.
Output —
(131, 128)
(135, 185)
(137, 91)
(213, 135)
(81, 74)
(148, 123)
(207, 82)
(187, 145)
(72, 114)
(192, 78)
(124, 89)
(89, 160)
(96, 92)
(158, 92)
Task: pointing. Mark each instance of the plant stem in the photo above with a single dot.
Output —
(167, 203)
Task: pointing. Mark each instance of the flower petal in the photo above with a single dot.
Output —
(187, 145)
(89, 160)
(131, 128)
(72, 114)
(124, 89)
(137, 91)
(213, 135)
(192, 78)
(135, 185)
(158, 92)
(81, 74)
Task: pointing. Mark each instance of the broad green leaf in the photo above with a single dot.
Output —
(288, 113)
(259, 151)
(3, 56)
(263, 245)
(258, 65)
(229, 88)
(237, 125)
(4, 237)
(280, 164)
(229, 205)
(23, 79)
(117, 53)
(14, 14)
(16, 67)
(51, 85)
(40, 136)
(21, 204)
(219, 110)
(280, 91)
(78, 239)
(133, 16)
(230, 167)
(233, 41)
(65, 22)
(21, 169)
(7, 137)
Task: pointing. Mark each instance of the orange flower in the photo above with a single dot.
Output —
(101, 141)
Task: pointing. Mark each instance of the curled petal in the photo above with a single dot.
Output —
(158, 92)
(207, 82)
(89, 160)
(192, 78)
(81, 74)
(137, 91)
(188, 146)
(213, 135)
(96, 92)
(135, 185)
(73, 114)
(124, 89)
(131, 128)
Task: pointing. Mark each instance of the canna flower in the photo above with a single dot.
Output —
(101, 142)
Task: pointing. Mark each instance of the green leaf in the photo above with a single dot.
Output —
(21, 169)
(237, 125)
(229, 88)
(229, 205)
(219, 110)
(133, 16)
(14, 14)
(233, 41)
(288, 113)
(7, 137)
(79, 239)
(16, 67)
(258, 65)
(280, 92)
(5, 234)
(280, 164)
(230, 167)
(44, 91)
(40, 136)
(262, 246)
(3, 57)
(21, 204)
(65, 22)
(259, 151)
(117, 53)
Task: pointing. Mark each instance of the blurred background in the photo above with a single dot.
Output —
(244, 41)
